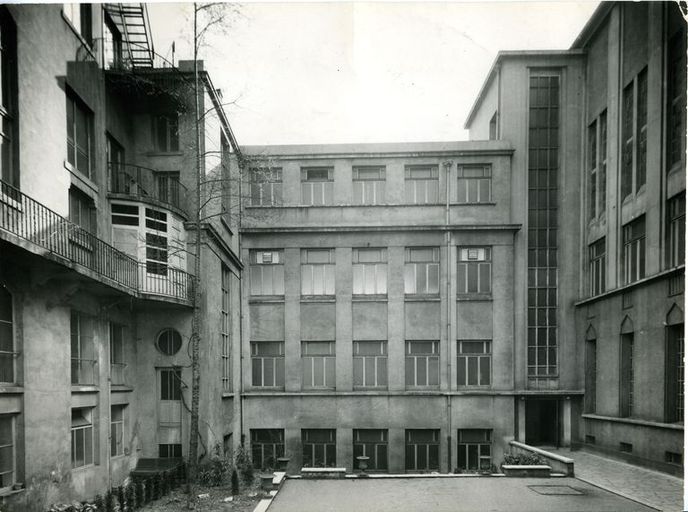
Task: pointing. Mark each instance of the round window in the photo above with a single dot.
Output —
(169, 342)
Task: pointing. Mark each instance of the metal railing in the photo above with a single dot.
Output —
(144, 183)
(117, 373)
(30, 220)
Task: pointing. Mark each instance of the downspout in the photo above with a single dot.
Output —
(240, 162)
(447, 235)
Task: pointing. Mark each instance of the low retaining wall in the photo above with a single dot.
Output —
(558, 463)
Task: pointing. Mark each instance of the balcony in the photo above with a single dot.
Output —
(148, 185)
(51, 235)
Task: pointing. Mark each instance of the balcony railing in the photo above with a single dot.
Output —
(143, 183)
(117, 373)
(29, 220)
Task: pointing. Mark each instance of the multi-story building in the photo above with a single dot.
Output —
(97, 201)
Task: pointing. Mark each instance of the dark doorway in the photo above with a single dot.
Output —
(542, 422)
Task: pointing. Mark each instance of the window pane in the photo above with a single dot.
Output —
(421, 371)
(484, 371)
(330, 372)
(472, 371)
(358, 279)
(382, 371)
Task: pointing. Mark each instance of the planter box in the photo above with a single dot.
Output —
(539, 471)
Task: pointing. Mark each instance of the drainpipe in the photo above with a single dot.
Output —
(240, 394)
(447, 235)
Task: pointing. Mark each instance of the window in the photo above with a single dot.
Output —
(267, 445)
(369, 185)
(117, 365)
(80, 140)
(626, 376)
(317, 272)
(370, 271)
(9, 168)
(117, 430)
(267, 272)
(82, 211)
(169, 451)
(225, 330)
(422, 450)
(156, 242)
(168, 185)
(124, 214)
(474, 184)
(82, 437)
(676, 88)
(83, 352)
(422, 271)
(169, 341)
(112, 45)
(475, 449)
(318, 359)
(634, 135)
(633, 263)
(317, 186)
(675, 352)
(422, 364)
(494, 128)
(597, 166)
(676, 230)
(370, 364)
(267, 364)
(6, 337)
(319, 448)
(7, 455)
(371, 443)
(475, 270)
(171, 384)
(165, 129)
(81, 17)
(590, 403)
(597, 267)
(422, 184)
(266, 186)
(474, 363)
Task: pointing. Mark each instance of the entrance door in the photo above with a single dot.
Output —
(542, 422)
(169, 412)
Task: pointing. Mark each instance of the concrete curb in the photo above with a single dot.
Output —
(614, 491)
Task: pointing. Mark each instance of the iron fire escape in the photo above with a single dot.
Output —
(137, 43)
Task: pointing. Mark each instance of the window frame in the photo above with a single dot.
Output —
(633, 162)
(79, 110)
(325, 191)
(411, 184)
(430, 265)
(11, 354)
(371, 449)
(597, 166)
(676, 230)
(369, 187)
(13, 448)
(165, 133)
(117, 448)
(464, 359)
(329, 448)
(378, 360)
(418, 443)
(116, 346)
(275, 444)
(626, 375)
(464, 447)
(9, 148)
(267, 181)
(464, 265)
(634, 246)
(88, 432)
(326, 269)
(84, 343)
(480, 181)
(259, 268)
(328, 362)
(597, 267)
(378, 269)
(414, 359)
(225, 329)
(278, 361)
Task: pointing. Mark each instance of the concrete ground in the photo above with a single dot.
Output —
(461, 494)
(658, 490)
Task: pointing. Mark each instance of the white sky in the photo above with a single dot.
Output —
(364, 71)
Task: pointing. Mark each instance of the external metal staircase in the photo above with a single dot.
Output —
(137, 44)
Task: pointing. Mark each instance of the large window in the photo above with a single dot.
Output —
(319, 447)
(626, 376)
(225, 328)
(81, 17)
(475, 270)
(474, 363)
(83, 351)
(267, 445)
(317, 186)
(370, 364)
(474, 184)
(267, 272)
(318, 360)
(267, 364)
(369, 185)
(633, 263)
(9, 168)
(422, 184)
(117, 430)
(370, 271)
(597, 258)
(676, 102)
(634, 135)
(371, 443)
(317, 272)
(475, 449)
(675, 352)
(7, 451)
(6, 337)
(422, 270)
(82, 437)
(422, 364)
(165, 133)
(422, 450)
(117, 364)
(676, 230)
(266, 186)
(80, 140)
(597, 166)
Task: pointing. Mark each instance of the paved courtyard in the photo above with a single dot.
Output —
(467, 494)
(659, 490)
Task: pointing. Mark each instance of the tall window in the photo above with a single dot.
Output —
(318, 360)
(7, 451)
(267, 272)
(494, 128)
(676, 230)
(475, 449)
(117, 365)
(370, 271)
(319, 447)
(369, 184)
(422, 364)
(165, 133)
(371, 443)
(474, 184)
(590, 376)
(597, 257)
(422, 184)
(81, 16)
(9, 169)
(634, 250)
(676, 90)
(225, 330)
(626, 376)
(317, 186)
(266, 186)
(117, 430)
(171, 384)
(82, 437)
(80, 139)
(82, 210)
(83, 351)
(112, 45)
(167, 185)
(156, 242)
(634, 135)
(267, 364)
(370, 364)
(6, 337)
(317, 272)
(474, 363)
(597, 166)
(267, 445)
(675, 352)
(422, 270)
(422, 450)
(475, 270)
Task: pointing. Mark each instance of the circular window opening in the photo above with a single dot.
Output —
(169, 342)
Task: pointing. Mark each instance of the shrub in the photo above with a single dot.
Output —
(130, 497)
(120, 498)
(99, 502)
(523, 459)
(109, 501)
(214, 472)
(140, 494)
(242, 459)
(235, 483)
